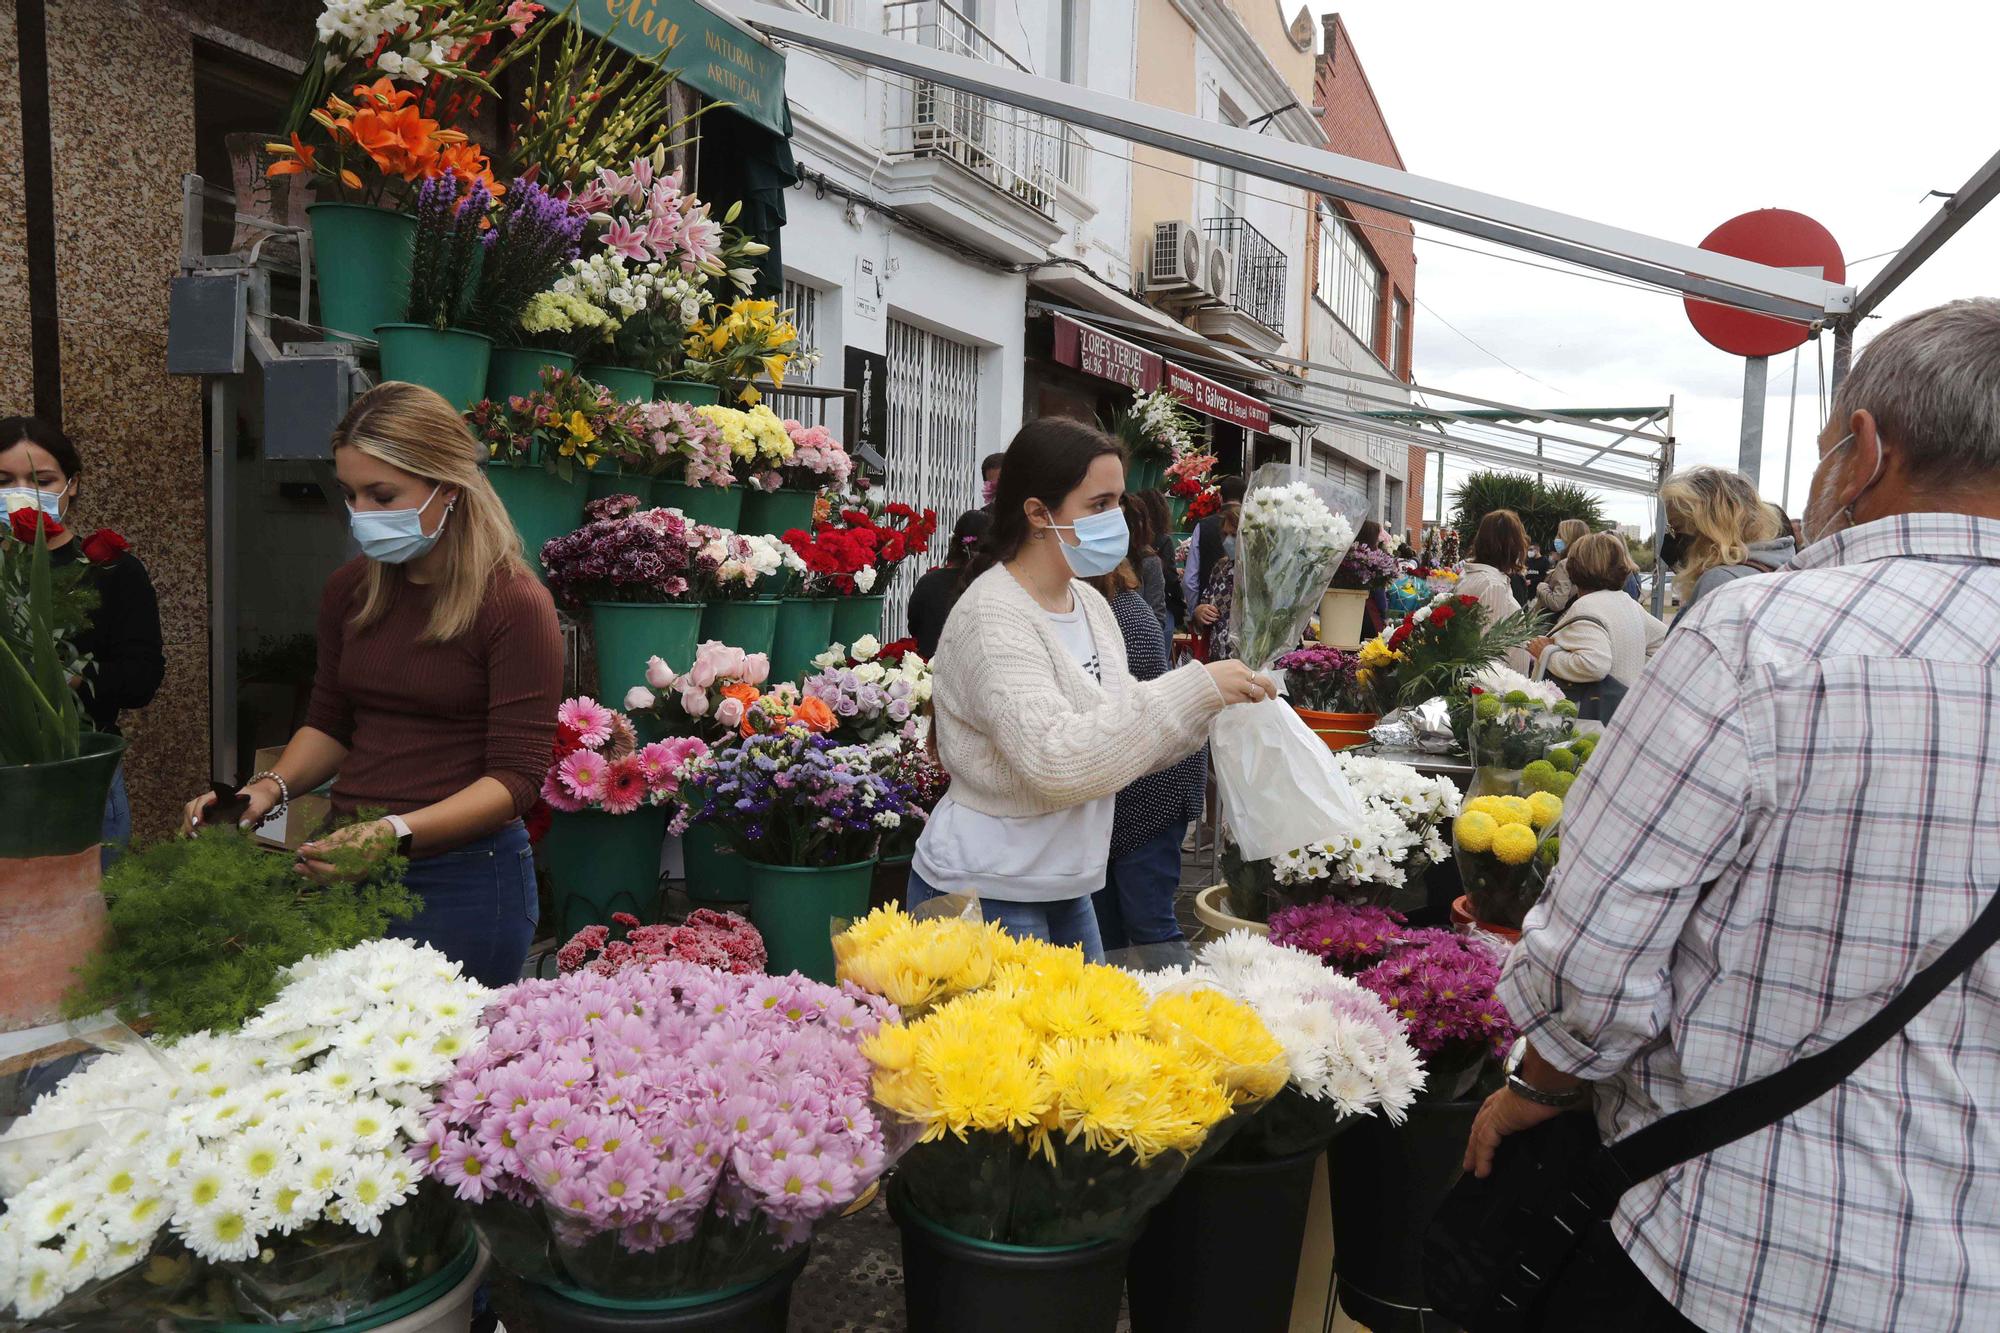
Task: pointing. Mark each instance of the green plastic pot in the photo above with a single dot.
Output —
(451, 361)
(57, 809)
(361, 262)
(717, 506)
(774, 513)
(751, 625)
(518, 370)
(626, 384)
(794, 908)
(1178, 508)
(805, 629)
(693, 392)
(714, 872)
(608, 478)
(1144, 474)
(542, 505)
(627, 633)
(599, 864)
(433, 1290)
(856, 616)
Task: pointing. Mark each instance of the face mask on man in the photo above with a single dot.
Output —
(1102, 542)
(1822, 519)
(395, 536)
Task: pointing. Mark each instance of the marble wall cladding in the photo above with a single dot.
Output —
(17, 380)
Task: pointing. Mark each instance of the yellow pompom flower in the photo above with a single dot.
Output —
(1544, 809)
(1484, 805)
(1513, 810)
(1514, 844)
(1474, 830)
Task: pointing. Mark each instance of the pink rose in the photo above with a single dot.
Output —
(703, 673)
(756, 669)
(694, 702)
(658, 674)
(729, 663)
(729, 713)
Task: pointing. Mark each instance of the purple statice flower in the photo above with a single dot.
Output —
(794, 798)
(1341, 935)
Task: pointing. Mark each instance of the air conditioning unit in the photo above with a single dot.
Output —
(1174, 265)
(1218, 274)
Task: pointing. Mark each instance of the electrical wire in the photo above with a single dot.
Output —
(1487, 350)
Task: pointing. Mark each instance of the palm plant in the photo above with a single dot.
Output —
(1541, 504)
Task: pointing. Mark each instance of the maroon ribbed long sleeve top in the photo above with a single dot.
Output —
(424, 720)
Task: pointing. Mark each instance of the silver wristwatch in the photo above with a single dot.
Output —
(1561, 1101)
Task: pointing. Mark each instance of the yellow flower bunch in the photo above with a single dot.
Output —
(1376, 654)
(767, 428)
(1224, 1038)
(1507, 826)
(735, 428)
(742, 339)
(917, 964)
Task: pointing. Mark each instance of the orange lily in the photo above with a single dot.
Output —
(469, 161)
(384, 93)
(297, 158)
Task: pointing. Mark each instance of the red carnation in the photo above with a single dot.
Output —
(104, 546)
(1441, 614)
(537, 820)
(1467, 599)
(25, 521)
(1400, 636)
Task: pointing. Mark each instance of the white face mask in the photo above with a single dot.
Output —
(28, 497)
(1820, 524)
(395, 536)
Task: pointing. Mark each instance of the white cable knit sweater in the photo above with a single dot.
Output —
(1020, 727)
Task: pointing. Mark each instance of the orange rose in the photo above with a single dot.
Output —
(747, 693)
(813, 714)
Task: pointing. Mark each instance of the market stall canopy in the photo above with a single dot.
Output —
(715, 55)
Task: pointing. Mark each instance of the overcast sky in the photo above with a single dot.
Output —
(1668, 120)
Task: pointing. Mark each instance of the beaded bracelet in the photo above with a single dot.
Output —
(284, 795)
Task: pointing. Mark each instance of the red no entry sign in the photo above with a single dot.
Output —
(1782, 239)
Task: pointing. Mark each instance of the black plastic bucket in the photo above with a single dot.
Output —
(1386, 1182)
(955, 1284)
(761, 1307)
(1223, 1251)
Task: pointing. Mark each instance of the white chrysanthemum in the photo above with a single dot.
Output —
(372, 1189)
(40, 1285)
(228, 1229)
(260, 1156)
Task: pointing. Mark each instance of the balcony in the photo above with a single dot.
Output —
(1252, 313)
(980, 170)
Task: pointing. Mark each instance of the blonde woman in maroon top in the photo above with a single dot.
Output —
(440, 670)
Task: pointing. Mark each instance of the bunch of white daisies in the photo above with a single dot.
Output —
(228, 1139)
(1343, 1044)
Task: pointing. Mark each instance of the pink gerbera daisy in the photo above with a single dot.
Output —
(584, 773)
(589, 719)
(658, 762)
(624, 787)
(557, 795)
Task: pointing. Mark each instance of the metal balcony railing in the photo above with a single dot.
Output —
(1017, 152)
(1258, 287)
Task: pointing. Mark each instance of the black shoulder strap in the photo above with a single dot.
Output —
(1740, 1112)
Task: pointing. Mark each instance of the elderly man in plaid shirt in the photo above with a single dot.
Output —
(1798, 807)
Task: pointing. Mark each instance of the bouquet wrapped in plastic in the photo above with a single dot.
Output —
(1278, 783)
(1505, 847)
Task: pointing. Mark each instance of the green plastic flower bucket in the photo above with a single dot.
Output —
(794, 908)
(774, 513)
(751, 625)
(856, 616)
(1144, 474)
(451, 361)
(57, 809)
(607, 478)
(627, 633)
(361, 264)
(714, 872)
(717, 506)
(600, 863)
(805, 629)
(542, 505)
(517, 371)
(692, 392)
(626, 384)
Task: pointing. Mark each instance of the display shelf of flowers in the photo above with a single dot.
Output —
(55, 772)
(264, 1175)
(1187, 478)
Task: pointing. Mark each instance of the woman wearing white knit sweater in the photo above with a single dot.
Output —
(1604, 635)
(1035, 715)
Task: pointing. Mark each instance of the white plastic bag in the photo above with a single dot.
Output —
(1279, 785)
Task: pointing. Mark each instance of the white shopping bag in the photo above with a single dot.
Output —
(1280, 789)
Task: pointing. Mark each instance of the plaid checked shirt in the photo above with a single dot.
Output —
(1798, 807)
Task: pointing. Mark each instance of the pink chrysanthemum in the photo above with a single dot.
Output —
(624, 787)
(584, 774)
(589, 719)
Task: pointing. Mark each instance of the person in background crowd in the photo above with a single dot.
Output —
(989, 476)
(1556, 590)
(1376, 614)
(1789, 527)
(1407, 548)
(1533, 571)
(1499, 549)
(1151, 816)
(1791, 815)
(1719, 530)
(1206, 548)
(1604, 638)
(936, 592)
(1218, 592)
(1036, 715)
(41, 472)
(440, 675)
(1145, 563)
(1161, 516)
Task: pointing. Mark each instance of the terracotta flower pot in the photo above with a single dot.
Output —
(1340, 731)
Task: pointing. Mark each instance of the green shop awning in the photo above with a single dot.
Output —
(715, 56)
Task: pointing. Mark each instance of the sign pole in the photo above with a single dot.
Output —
(1750, 452)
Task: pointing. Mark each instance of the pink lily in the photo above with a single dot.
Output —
(621, 238)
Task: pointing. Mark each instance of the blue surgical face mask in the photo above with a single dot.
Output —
(1229, 547)
(395, 536)
(27, 497)
(1559, 544)
(1102, 543)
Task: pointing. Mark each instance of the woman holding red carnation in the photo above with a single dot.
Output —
(39, 473)
(440, 673)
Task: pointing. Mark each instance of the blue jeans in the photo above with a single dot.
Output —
(1066, 921)
(479, 905)
(117, 819)
(1136, 904)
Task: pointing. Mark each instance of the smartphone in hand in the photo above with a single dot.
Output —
(226, 808)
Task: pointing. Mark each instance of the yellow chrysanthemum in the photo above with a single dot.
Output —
(1474, 830)
(1513, 810)
(1376, 654)
(1224, 1037)
(1544, 808)
(1514, 844)
(1484, 805)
